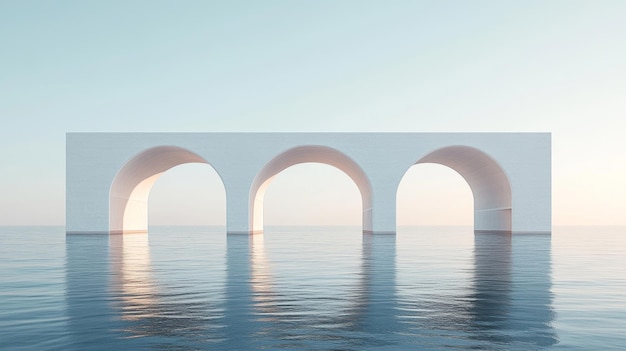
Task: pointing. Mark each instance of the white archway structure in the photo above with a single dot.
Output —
(489, 184)
(306, 154)
(131, 186)
(109, 175)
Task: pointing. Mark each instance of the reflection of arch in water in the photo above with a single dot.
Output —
(87, 292)
(490, 310)
(507, 302)
(131, 276)
(305, 154)
(375, 303)
(511, 298)
(255, 303)
(150, 307)
(489, 184)
(128, 198)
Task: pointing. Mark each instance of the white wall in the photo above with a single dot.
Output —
(94, 160)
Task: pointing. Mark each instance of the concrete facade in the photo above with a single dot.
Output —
(109, 175)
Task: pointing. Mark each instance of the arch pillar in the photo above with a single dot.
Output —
(492, 220)
(383, 211)
(237, 213)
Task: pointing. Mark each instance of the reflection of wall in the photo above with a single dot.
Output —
(512, 301)
(132, 278)
(114, 301)
(151, 308)
(239, 324)
(489, 310)
(91, 317)
(376, 312)
(112, 295)
(258, 314)
(505, 304)
(532, 296)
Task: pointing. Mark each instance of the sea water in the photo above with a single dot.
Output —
(313, 288)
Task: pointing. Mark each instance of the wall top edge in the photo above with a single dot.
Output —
(311, 133)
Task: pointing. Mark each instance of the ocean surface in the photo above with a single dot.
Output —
(313, 288)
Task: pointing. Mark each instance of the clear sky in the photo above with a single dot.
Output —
(556, 66)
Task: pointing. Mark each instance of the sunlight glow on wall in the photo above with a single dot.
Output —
(131, 186)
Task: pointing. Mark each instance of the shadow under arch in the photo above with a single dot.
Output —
(489, 183)
(307, 154)
(128, 197)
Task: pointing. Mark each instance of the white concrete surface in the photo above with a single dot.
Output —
(109, 175)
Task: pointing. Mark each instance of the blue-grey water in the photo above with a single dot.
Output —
(313, 288)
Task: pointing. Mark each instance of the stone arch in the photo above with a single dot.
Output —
(305, 154)
(128, 196)
(489, 183)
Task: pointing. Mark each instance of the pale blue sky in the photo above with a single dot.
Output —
(555, 66)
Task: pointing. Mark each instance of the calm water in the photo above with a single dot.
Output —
(428, 288)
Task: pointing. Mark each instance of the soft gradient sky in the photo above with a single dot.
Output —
(557, 66)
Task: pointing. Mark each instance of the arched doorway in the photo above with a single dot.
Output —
(128, 197)
(489, 184)
(306, 154)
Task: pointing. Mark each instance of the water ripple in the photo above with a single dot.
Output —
(311, 288)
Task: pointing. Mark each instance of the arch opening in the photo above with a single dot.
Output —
(312, 194)
(128, 196)
(308, 154)
(191, 194)
(487, 180)
(431, 194)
